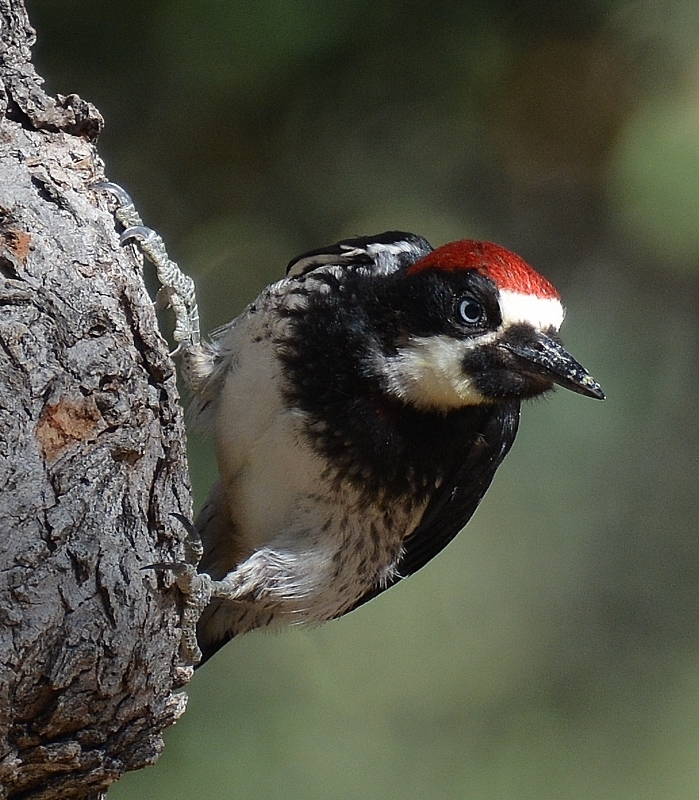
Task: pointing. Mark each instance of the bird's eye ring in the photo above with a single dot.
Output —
(471, 310)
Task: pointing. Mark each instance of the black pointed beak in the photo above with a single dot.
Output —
(540, 355)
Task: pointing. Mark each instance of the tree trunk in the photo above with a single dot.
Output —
(92, 460)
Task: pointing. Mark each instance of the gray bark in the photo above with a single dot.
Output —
(92, 460)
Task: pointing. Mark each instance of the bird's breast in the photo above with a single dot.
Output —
(328, 544)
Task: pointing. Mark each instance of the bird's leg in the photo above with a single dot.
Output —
(177, 289)
(199, 589)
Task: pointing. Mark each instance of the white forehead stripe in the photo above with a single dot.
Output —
(541, 312)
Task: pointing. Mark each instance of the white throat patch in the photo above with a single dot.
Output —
(427, 372)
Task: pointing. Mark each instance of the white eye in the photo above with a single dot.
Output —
(471, 311)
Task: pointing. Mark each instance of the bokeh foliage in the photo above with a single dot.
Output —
(553, 650)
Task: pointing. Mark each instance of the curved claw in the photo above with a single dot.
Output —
(193, 546)
(125, 212)
(119, 192)
(186, 523)
(197, 586)
(141, 233)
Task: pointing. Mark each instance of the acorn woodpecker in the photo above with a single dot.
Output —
(360, 407)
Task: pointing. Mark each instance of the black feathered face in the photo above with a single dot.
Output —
(454, 339)
(467, 324)
(342, 333)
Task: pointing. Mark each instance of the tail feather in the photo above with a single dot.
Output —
(221, 620)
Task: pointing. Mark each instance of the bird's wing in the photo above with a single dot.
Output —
(456, 500)
(381, 253)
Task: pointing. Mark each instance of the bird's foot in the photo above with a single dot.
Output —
(178, 290)
(194, 587)
(197, 589)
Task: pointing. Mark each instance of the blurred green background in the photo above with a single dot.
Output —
(552, 651)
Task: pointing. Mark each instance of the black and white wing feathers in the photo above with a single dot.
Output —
(456, 500)
(378, 254)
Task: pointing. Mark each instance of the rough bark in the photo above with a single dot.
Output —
(92, 460)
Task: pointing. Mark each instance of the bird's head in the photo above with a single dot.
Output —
(476, 325)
